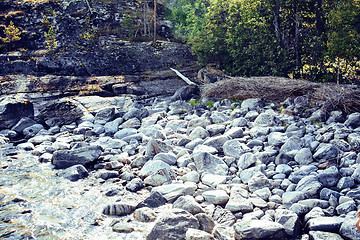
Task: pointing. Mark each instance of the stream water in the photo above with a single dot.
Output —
(35, 203)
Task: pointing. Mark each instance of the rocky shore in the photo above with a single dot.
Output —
(205, 168)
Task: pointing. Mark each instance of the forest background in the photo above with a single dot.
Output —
(318, 40)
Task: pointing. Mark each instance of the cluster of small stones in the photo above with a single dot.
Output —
(245, 170)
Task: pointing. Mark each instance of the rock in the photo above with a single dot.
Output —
(299, 174)
(288, 198)
(326, 194)
(189, 204)
(213, 180)
(311, 203)
(168, 158)
(353, 120)
(215, 129)
(160, 177)
(114, 191)
(217, 142)
(263, 193)
(192, 176)
(135, 185)
(223, 217)
(216, 196)
(289, 220)
(246, 160)
(309, 185)
(277, 138)
(219, 117)
(348, 229)
(83, 156)
(239, 201)
(12, 110)
(119, 209)
(224, 233)
(172, 191)
(329, 177)
(346, 207)
(252, 104)
(291, 146)
(74, 173)
(259, 229)
(235, 132)
(46, 157)
(267, 120)
(195, 234)
(326, 224)
(152, 167)
(121, 227)
(319, 235)
(131, 123)
(345, 182)
(60, 112)
(145, 214)
(326, 152)
(354, 140)
(314, 213)
(172, 225)
(258, 181)
(125, 132)
(32, 130)
(153, 201)
(154, 147)
(185, 93)
(304, 156)
(23, 123)
(206, 162)
(206, 222)
(104, 115)
(234, 148)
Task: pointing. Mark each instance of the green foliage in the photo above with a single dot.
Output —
(45, 24)
(194, 102)
(210, 104)
(50, 41)
(12, 34)
(89, 35)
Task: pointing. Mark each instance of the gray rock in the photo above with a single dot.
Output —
(83, 156)
(267, 120)
(106, 174)
(198, 122)
(314, 213)
(263, 193)
(326, 193)
(246, 160)
(345, 182)
(169, 158)
(288, 198)
(219, 117)
(353, 120)
(213, 180)
(289, 220)
(277, 138)
(160, 177)
(206, 222)
(125, 133)
(136, 112)
(258, 181)
(179, 107)
(206, 162)
(252, 104)
(154, 147)
(223, 217)
(22, 124)
(121, 227)
(354, 140)
(135, 185)
(172, 225)
(259, 229)
(311, 203)
(235, 132)
(304, 156)
(356, 175)
(172, 191)
(198, 132)
(291, 146)
(346, 207)
(234, 148)
(348, 229)
(329, 177)
(304, 171)
(153, 201)
(189, 204)
(192, 176)
(216, 196)
(217, 142)
(326, 152)
(283, 168)
(145, 214)
(239, 122)
(354, 193)
(319, 235)
(309, 185)
(152, 167)
(326, 224)
(239, 200)
(32, 130)
(195, 234)
(215, 129)
(131, 123)
(104, 115)
(74, 173)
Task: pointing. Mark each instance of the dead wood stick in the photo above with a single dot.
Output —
(183, 77)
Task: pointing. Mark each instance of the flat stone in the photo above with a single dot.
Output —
(259, 229)
(319, 235)
(195, 234)
(216, 196)
(189, 204)
(206, 162)
(326, 224)
(172, 191)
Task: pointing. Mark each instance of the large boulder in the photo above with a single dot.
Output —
(12, 110)
(259, 229)
(82, 155)
(172, 225)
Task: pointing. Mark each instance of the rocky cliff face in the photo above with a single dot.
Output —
(92, 38)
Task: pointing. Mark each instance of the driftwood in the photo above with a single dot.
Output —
(183, 77)
(276, 89)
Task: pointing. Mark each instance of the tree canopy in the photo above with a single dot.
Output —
(314, 39)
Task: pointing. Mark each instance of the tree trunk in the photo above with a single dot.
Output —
(277, 23)
(155, 15)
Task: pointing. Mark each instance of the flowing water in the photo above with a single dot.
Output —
(35, 203)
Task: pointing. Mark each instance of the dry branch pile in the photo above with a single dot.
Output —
(275, 89)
